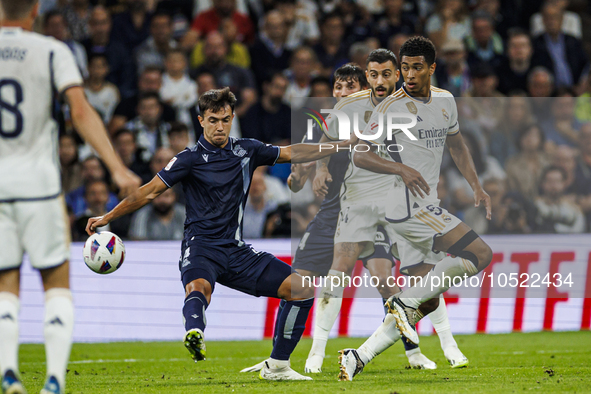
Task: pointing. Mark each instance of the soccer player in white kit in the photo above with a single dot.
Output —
(33, 219)
(430, 231)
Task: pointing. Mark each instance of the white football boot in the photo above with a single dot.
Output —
(349, 364)
(455, 357)
(314, 363)
(256, 367)
(420, 361)
(280, 370)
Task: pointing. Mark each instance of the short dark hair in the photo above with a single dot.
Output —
(147, 96)
(121, 132)
(516, 32)
(151, 69)
(320, 79)
(95, 181)
(419, 46)
(216, 99)
(96, 55)
(178, 127)
(159, 14)
(523, 132)
(381, 56)
(16, 9)
(549, 169)
(350, 71)
(50, 14)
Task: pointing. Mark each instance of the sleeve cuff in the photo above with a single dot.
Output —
(162, 179)
(278, 154)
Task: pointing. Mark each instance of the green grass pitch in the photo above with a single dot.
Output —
(540, 362)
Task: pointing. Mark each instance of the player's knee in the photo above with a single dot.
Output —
(200, 285)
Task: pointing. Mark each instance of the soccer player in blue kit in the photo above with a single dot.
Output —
(215, 175)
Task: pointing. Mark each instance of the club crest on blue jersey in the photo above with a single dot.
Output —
(239, 151)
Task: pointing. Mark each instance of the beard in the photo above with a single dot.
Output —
(162, 210)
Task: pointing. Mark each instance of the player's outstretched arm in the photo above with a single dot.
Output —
(90, 126)
(131, 203)
(412, 178)
(323, 177)
(302, 153)
(463, 159)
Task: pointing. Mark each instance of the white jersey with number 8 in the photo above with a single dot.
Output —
(33, 70)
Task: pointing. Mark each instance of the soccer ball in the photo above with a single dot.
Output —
(104, 252)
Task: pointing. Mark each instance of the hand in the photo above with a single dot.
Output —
(127, 182)
(481, 195)
(414, 181)
(94, 223)
(346, 144)
(319, 185)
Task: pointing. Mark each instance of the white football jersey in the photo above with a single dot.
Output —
(33, 69)
(436, 119)
(359, 185)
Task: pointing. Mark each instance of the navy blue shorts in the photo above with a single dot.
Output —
(238, 267)
(316, 249)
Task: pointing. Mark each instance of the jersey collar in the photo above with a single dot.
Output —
(425, 100)
(212, 148)
(11, 30)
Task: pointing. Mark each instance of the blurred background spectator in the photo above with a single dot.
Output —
(162, 219)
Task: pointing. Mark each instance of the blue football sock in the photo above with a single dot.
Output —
(290, 327)
(194, 311)
(281, 306)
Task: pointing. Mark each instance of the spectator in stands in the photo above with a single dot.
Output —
(524, 170)
(450, 22)
(331, 49)
(502, 16)
(153, 50)
(515, 67)
(358, 21)
(160, 159)
(540, 82)
(163, 219)
(205, 82)
(555, 212)
(559, 52)
(474, 217)
(240, 80)
(516, 117)
(302, 26)
(571, 23)
(487, 167)
(583, 106)
(77, 13)
(121, 68)
(178, 90)
(209, 21)
(269, 50)
(132, 27)
(300, 73)
(54, 25)
(394, 21)
(92, 170)
(257, 206)
(149, 128)
(268, 119)
(565, 157)
(96, 197)
(453, 73)
(484, 45)
(150, 82)
(358, 53)
(178, 136)
(237, 54)
(583, 173)
(124, 142)
(562, 127)
(102, 95)
(71, 170)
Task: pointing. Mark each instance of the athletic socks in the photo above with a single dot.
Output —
(385, 336)
(194, 311)
(290, 327)
(281, 306)
(438, 280)
(9, 306)
(58, 328)
(327, 310)
(441, 325)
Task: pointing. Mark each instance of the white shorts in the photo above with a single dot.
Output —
(359, 223)
(39, 228)
(414, 237)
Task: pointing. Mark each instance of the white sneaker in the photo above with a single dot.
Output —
(455, 357)
(404, 316)
(280, 370)
(256, 367)
(349, 364)
(314, 363)
(420, 361)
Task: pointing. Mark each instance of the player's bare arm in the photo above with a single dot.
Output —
(142, 196)
(461, 156)
(91, 128)
(302, 153)
(411, 177)
(319, 185)
(299, 175)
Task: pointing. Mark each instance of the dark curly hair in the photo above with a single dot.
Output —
(419, 46)
(216, 99)
(381, 56)
(350, 71)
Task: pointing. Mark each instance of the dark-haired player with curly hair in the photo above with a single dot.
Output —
(438, 244)
(216, 175)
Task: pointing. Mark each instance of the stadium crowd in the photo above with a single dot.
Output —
(519, 68)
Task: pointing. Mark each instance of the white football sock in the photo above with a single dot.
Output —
(9, 306)
(441, 325)
(58, 327)
(438, 280)
(327, 310)
(385, 336)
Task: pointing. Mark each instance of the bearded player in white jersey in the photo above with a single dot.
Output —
(430, 231)
(363, 200)
(33, 219)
